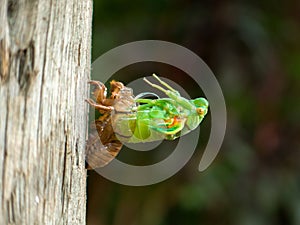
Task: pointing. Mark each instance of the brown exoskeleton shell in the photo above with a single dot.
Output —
(103, 145)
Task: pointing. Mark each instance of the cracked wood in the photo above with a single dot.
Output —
(44, 69)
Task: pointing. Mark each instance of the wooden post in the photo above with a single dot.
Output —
(44, 68)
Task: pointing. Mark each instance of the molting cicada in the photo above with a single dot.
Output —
(125, 118)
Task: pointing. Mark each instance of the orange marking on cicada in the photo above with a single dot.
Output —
(172, 122)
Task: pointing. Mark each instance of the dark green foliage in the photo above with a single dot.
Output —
(253, 49)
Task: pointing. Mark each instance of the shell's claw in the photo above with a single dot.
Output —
(99, 84)
(98, 106)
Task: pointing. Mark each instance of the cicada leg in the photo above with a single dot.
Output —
(164, 83)
(100, 94)
(99, 91)
(172, 93)
(159, 87)
(98, 106)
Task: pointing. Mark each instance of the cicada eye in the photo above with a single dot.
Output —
(201, 111)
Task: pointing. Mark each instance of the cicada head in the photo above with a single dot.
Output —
(201, 105)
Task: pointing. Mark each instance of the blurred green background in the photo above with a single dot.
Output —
(253, 48)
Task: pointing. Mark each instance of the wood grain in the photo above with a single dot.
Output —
(44, 69)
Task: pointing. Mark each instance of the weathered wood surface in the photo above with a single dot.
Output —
(44, 68)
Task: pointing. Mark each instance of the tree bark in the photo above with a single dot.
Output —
(44, 68)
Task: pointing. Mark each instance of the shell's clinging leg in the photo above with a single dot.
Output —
(99, 91)
(99, 106)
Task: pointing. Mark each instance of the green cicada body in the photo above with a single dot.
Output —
(134, 119)
(163, 118)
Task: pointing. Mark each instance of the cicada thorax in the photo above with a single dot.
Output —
(134, 124)
(155, 120)
(135, 127)
(103, 144)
